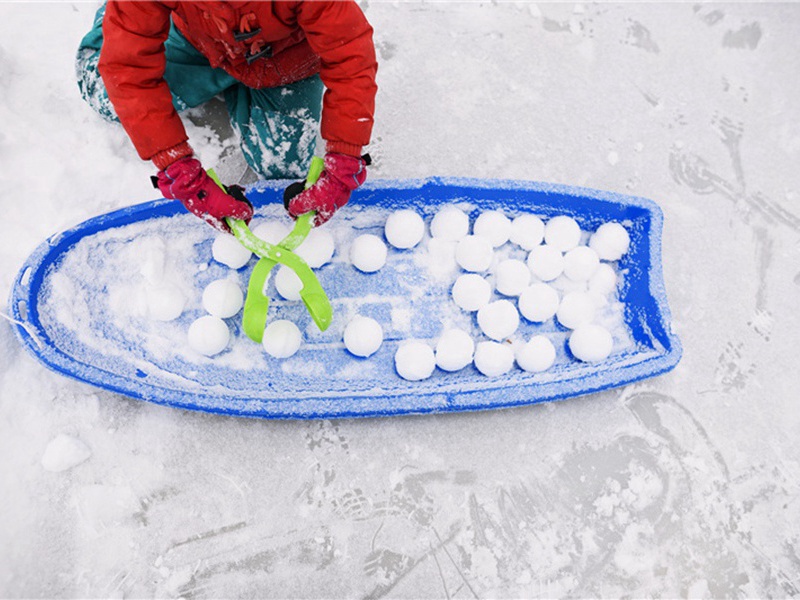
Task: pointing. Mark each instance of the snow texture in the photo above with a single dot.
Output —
(684, 485)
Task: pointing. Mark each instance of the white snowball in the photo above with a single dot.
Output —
(165, 302)
(209, 335)
(414, 361)
(363, 336)
(538, 303)
(404, 229)
(272, 232)
(546, 262)
(227, 250)
(450, 224)
(562, 232)
(576, 309)
(527, 231)
(493, 359)
(64, 452)
(317, 249)
(471, 292)
(368, 253)
(281, 339)
(499, 319)
(474, 253)
(591, 343)
(604, 280)
(537, 355)
(223, 298)
(512, 277)
(288, 283)
(580, 263)
(610, 241)
(454, 350)
(494, 226)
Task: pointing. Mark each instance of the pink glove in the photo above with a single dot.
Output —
(186, 180)
(342, 174)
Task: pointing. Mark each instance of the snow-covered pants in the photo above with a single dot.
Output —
(277, 127)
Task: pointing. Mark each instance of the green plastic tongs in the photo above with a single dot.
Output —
(313, 296)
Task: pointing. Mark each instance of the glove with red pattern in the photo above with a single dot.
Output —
(342, 174)
(185, 180)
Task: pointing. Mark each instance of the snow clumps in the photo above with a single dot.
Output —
(282, 339)
(209, 335)
(228, 251)
(414, 361)
(404, 229)
(223, 298)
(368, 253)
(363, 336)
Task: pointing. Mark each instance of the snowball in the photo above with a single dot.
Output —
(227, 250)
(537, 355)
(562, 232)
(471, 292)
(474, 253)
(591, 343)
(414, 361)
(272, 232)
(493, 359)
(546, 262)
(538, 303)
(604, 280)
(580, 263)
(454, 350)
(64, 452)
(450, 224)
(499, 319)
(209, 335)
(576, 309)
(368, 253)
(610, 241)
(317, 249)
(288, 283)
(363, 336)
(223, 298)
(494, 226)
(165, 302)
(512, 277)
(527, 231)
(404, 229)
(281, 339)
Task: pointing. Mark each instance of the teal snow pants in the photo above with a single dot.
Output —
(277, 127)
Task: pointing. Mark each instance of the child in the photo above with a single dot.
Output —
(269, 59)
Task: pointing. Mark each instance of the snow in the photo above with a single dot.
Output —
(546, 262)
(512, 276)
(493, 358)
(494, 226)
(536, 355)
(562, 232)
(414, 360)
(610, 241)
(580, 263)
(471, 292)
(404, 229)
(223, 298)
(498, 319)
(575, 309)
(454, 350)
(591, 342)
(363, 336)
(539, 302)
(368, 253)
(318, 247)
(208, 335)
(527, 231)
(282, 338)
(288, 283)
(450, 224)
(165, 302)
(474, 253)
(227, 250)
(680, 486)
(64, 452)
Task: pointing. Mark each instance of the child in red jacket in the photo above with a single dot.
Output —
(269, 60)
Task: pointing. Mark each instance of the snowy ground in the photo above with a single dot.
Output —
(686, 485)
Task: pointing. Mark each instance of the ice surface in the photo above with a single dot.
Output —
(681, 486)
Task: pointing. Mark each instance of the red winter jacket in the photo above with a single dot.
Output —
(303, 37)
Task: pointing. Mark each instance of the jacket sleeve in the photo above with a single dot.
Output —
(340, 35)
(132, 64)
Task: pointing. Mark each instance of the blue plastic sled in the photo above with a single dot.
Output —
(61, 302)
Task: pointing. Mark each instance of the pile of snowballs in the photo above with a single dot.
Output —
(526, 289)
